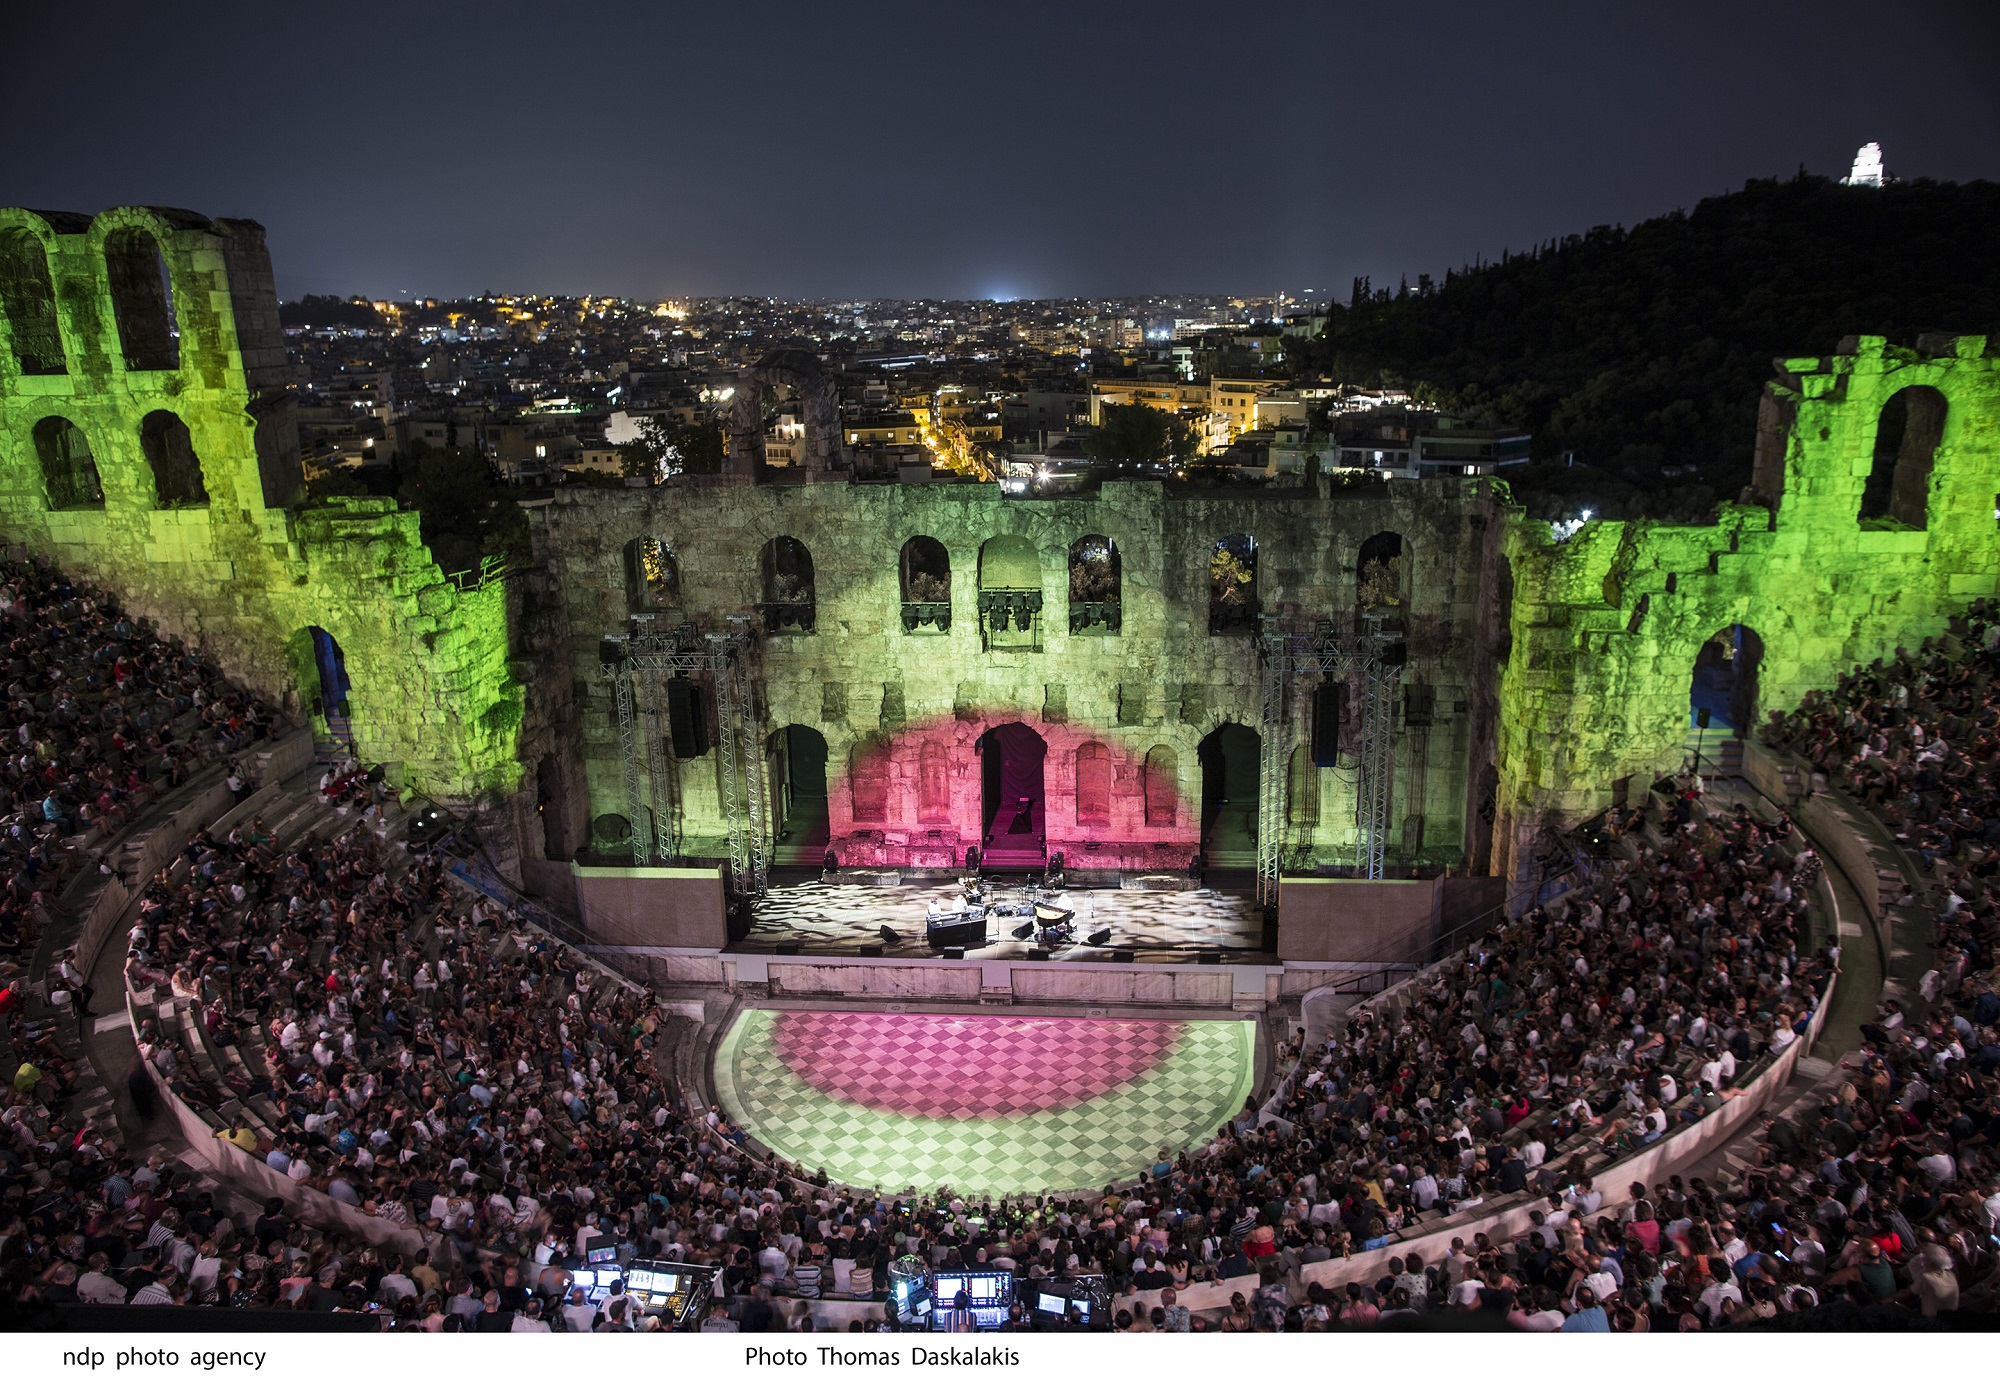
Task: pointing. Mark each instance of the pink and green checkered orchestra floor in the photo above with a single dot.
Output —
(987, 1104)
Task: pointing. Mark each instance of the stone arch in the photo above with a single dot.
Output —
(28, 297)
(169, 450)
(1162, 786)
(1233, 603)
(652, 576)
(1009, 562)
(1382, 578)
(790, 601)
(69, 472)
(1010, 589)
(923, 573)
(806, 376)
(1096, 584)
(1907, 433)
(1725, 680)
(142, 300)
(1093, 784)
(868, 779)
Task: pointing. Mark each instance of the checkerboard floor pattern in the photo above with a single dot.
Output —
(1039, 1118)
(943, 1066)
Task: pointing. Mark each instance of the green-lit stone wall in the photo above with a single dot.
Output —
(248, 573)
(1606, 625)
(1162, 682)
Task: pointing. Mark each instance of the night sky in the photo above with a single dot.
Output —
(962, 149)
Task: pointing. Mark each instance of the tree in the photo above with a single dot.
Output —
(1135, 432)
(464, 512)
(667, 447)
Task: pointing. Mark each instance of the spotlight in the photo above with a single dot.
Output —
(1099, 937)
(1024, 930)
(889, 937)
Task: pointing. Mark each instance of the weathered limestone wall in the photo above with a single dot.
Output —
(1606, 626)
(1162, 682)
(242, 575)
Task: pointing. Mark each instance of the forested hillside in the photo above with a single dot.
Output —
(1639, 353)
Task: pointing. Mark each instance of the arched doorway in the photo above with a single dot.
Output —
(799, 793)
(1014, 806)
(1229, 796)
(549, 805)
(1725, 681)
(334, 685)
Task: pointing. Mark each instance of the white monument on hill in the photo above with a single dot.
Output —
(1867, 167)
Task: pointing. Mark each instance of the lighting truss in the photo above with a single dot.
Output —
(1376, 656)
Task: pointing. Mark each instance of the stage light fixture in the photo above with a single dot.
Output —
(1099, 937)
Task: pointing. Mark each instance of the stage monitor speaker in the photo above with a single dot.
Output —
(1038, 954)
(1124, 957)
(871, 952)
(953, 952)
(1024, 930)
(687, 718)
(889, 937)
(1329, 709)
(789, 948)
(1211, 958)
(1098, 938)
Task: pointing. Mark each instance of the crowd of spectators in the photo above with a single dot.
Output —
(97, 712)
(412, 1053)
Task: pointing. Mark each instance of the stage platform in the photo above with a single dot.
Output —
(1158, 927)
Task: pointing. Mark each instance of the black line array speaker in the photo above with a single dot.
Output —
(687, 718)
(1329, 709)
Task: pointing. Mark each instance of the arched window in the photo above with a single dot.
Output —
(652, 576)
(1232, 585)
(142, 299)
(177, 480)
(1381, 578)
(1163, 787)
(29, 299)
(788, 586)
(1093, 784)
(925, 570)
(1095, 585)
(1906, 441)
(868, 778)
(933, 783)
(68, 470)
(1010, 591)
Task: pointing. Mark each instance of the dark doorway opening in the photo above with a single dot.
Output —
(1725, 681)
(1014, 808)
(550, 807)
(1229, 796)
(331, 664)
(799, 775)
